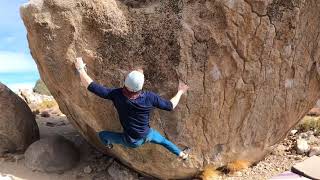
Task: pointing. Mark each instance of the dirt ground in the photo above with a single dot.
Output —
(12, 165)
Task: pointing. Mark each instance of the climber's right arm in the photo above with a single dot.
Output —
(92, 86)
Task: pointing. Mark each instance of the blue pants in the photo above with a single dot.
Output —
(154, 136)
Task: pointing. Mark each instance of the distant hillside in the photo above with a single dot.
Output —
(41, 88)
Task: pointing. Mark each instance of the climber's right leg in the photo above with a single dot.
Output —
(108, 138)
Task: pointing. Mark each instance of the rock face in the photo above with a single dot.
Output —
(52, 154)
(18, 128)
(252, 67)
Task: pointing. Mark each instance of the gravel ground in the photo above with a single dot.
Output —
(281, 159)
(95, 165)
(269, 167)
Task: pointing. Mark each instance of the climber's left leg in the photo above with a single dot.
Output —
(155, 137)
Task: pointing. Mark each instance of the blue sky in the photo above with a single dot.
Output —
(17, 68)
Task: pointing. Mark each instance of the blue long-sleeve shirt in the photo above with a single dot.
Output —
(134, 114)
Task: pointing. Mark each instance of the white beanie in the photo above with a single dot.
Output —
(134, 81)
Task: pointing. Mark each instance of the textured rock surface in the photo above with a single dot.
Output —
(251, 64)
(18, 128)
(52, 154)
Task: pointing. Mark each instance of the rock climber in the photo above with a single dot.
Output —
(134, 106)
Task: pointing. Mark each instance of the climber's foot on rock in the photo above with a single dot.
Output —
(109, 146)
(184, 154)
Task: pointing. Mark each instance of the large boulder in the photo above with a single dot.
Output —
(252, 67)
(52, 154)
(18, 128)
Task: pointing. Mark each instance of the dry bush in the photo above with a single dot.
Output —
(238, 165)
(310, 123)
(210, 173)
(46, 104)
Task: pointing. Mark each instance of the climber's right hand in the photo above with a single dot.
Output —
(79, 64)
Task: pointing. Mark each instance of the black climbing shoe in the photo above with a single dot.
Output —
(109, 146)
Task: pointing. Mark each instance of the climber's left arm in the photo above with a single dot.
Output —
(101, 91)
(181, 90)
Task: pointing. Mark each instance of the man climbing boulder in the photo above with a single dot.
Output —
(252, 67)
(134, 107)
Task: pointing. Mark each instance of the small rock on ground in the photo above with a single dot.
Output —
(87, 170)
(302, 146)
(52, 154)
(314, 151)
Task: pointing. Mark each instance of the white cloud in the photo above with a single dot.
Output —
(12, 62)
(10, 39)
(16, 86)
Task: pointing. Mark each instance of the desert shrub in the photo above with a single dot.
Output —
(210, 173)
(310, 123)
(237, 165)
(47, 104)
(41, 88)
